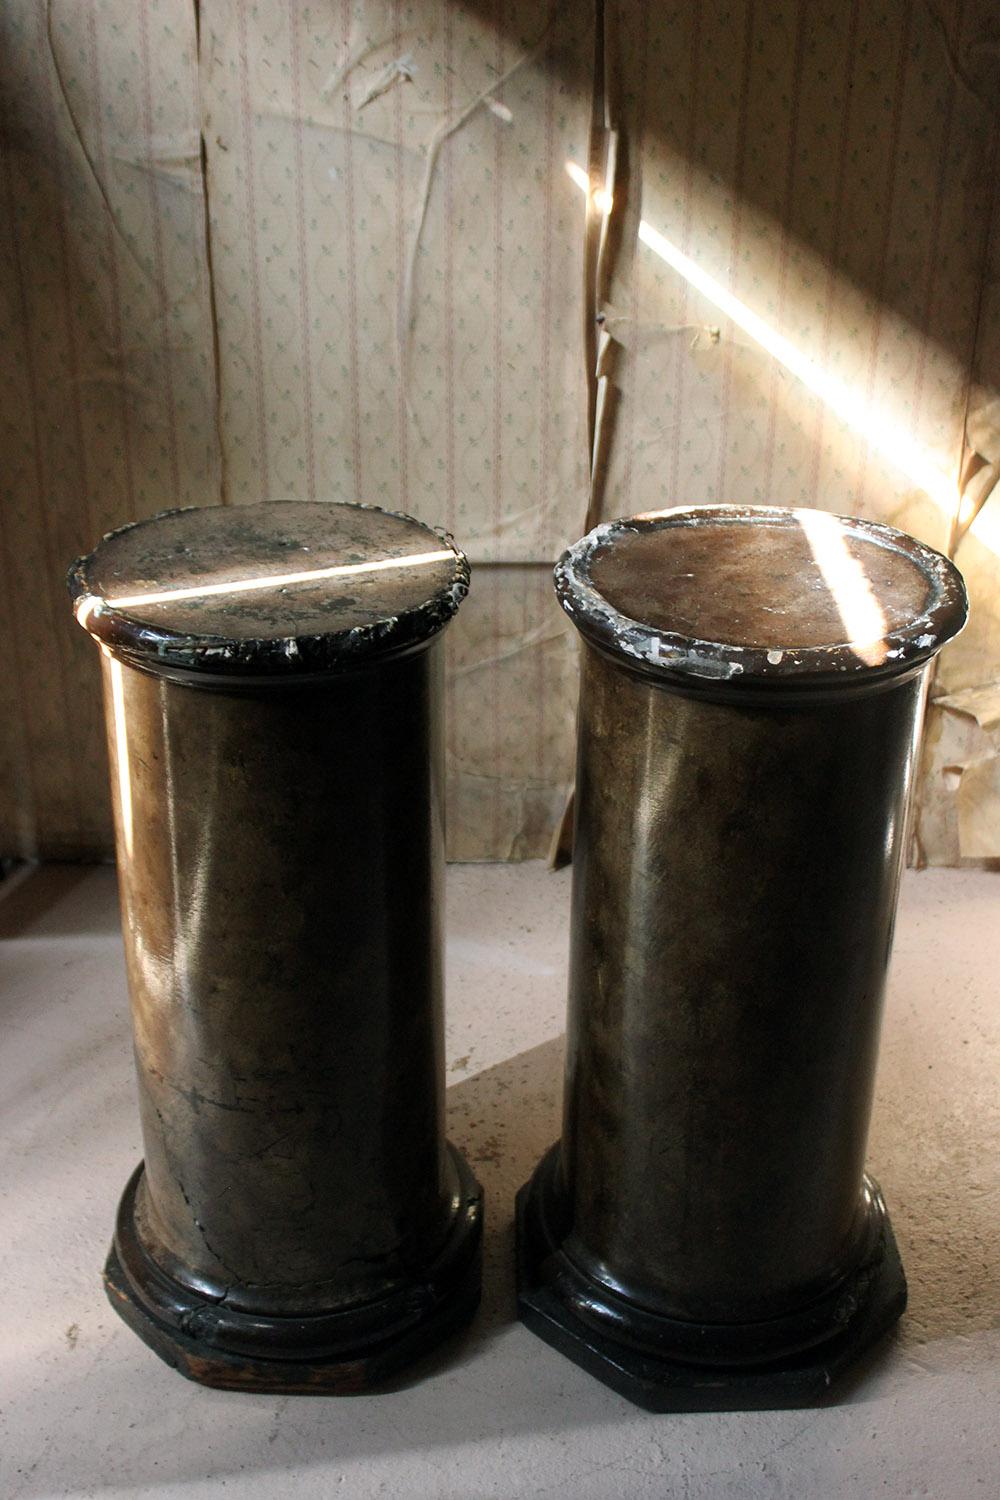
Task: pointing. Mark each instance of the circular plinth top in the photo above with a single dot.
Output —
(277, 589)
(747, 594)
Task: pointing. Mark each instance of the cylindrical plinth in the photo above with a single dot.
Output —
(704, 1235)
(274, 707)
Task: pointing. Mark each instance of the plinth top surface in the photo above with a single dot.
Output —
(754, 592)
(272, 589)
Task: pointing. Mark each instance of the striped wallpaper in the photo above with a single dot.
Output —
(332, 251)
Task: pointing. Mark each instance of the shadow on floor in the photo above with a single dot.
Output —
(58, 900)
(504, 1119)
(81, 1397)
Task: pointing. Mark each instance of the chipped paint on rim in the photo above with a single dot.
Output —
(668, 656)
(157, 649)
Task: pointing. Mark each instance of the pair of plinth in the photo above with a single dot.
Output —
(703, 1235)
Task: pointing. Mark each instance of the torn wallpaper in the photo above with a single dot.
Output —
(338, 251)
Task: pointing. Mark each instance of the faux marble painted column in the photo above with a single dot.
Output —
(273, 699)
(704, 1235)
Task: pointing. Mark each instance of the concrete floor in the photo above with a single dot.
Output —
(85, 1409)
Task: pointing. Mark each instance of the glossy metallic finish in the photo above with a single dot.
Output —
(299, 1222)
(704, 1235)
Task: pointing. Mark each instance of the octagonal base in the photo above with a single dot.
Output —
(346, 1352)
(648, 1359)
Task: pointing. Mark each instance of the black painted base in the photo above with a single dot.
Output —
(341, 1353)
(667, 1366)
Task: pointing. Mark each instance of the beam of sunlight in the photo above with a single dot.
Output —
(894, 443)
(246, 585)
(985, 527)
(83, 608)
(121, 749)
(977, 517)
(863, 618)
(602, 199)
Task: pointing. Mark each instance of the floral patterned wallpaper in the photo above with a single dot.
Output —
(333, 251)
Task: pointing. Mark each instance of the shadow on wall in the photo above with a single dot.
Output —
(867, 135)
(831, 165)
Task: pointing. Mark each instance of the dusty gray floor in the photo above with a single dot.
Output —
(85, 1409)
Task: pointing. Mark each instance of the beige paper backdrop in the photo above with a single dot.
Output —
(327, 251)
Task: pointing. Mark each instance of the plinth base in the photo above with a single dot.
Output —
(339, 1353)
(667, 1366)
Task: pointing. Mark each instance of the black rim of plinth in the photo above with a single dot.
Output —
(349, 1348)
(699, 1365)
